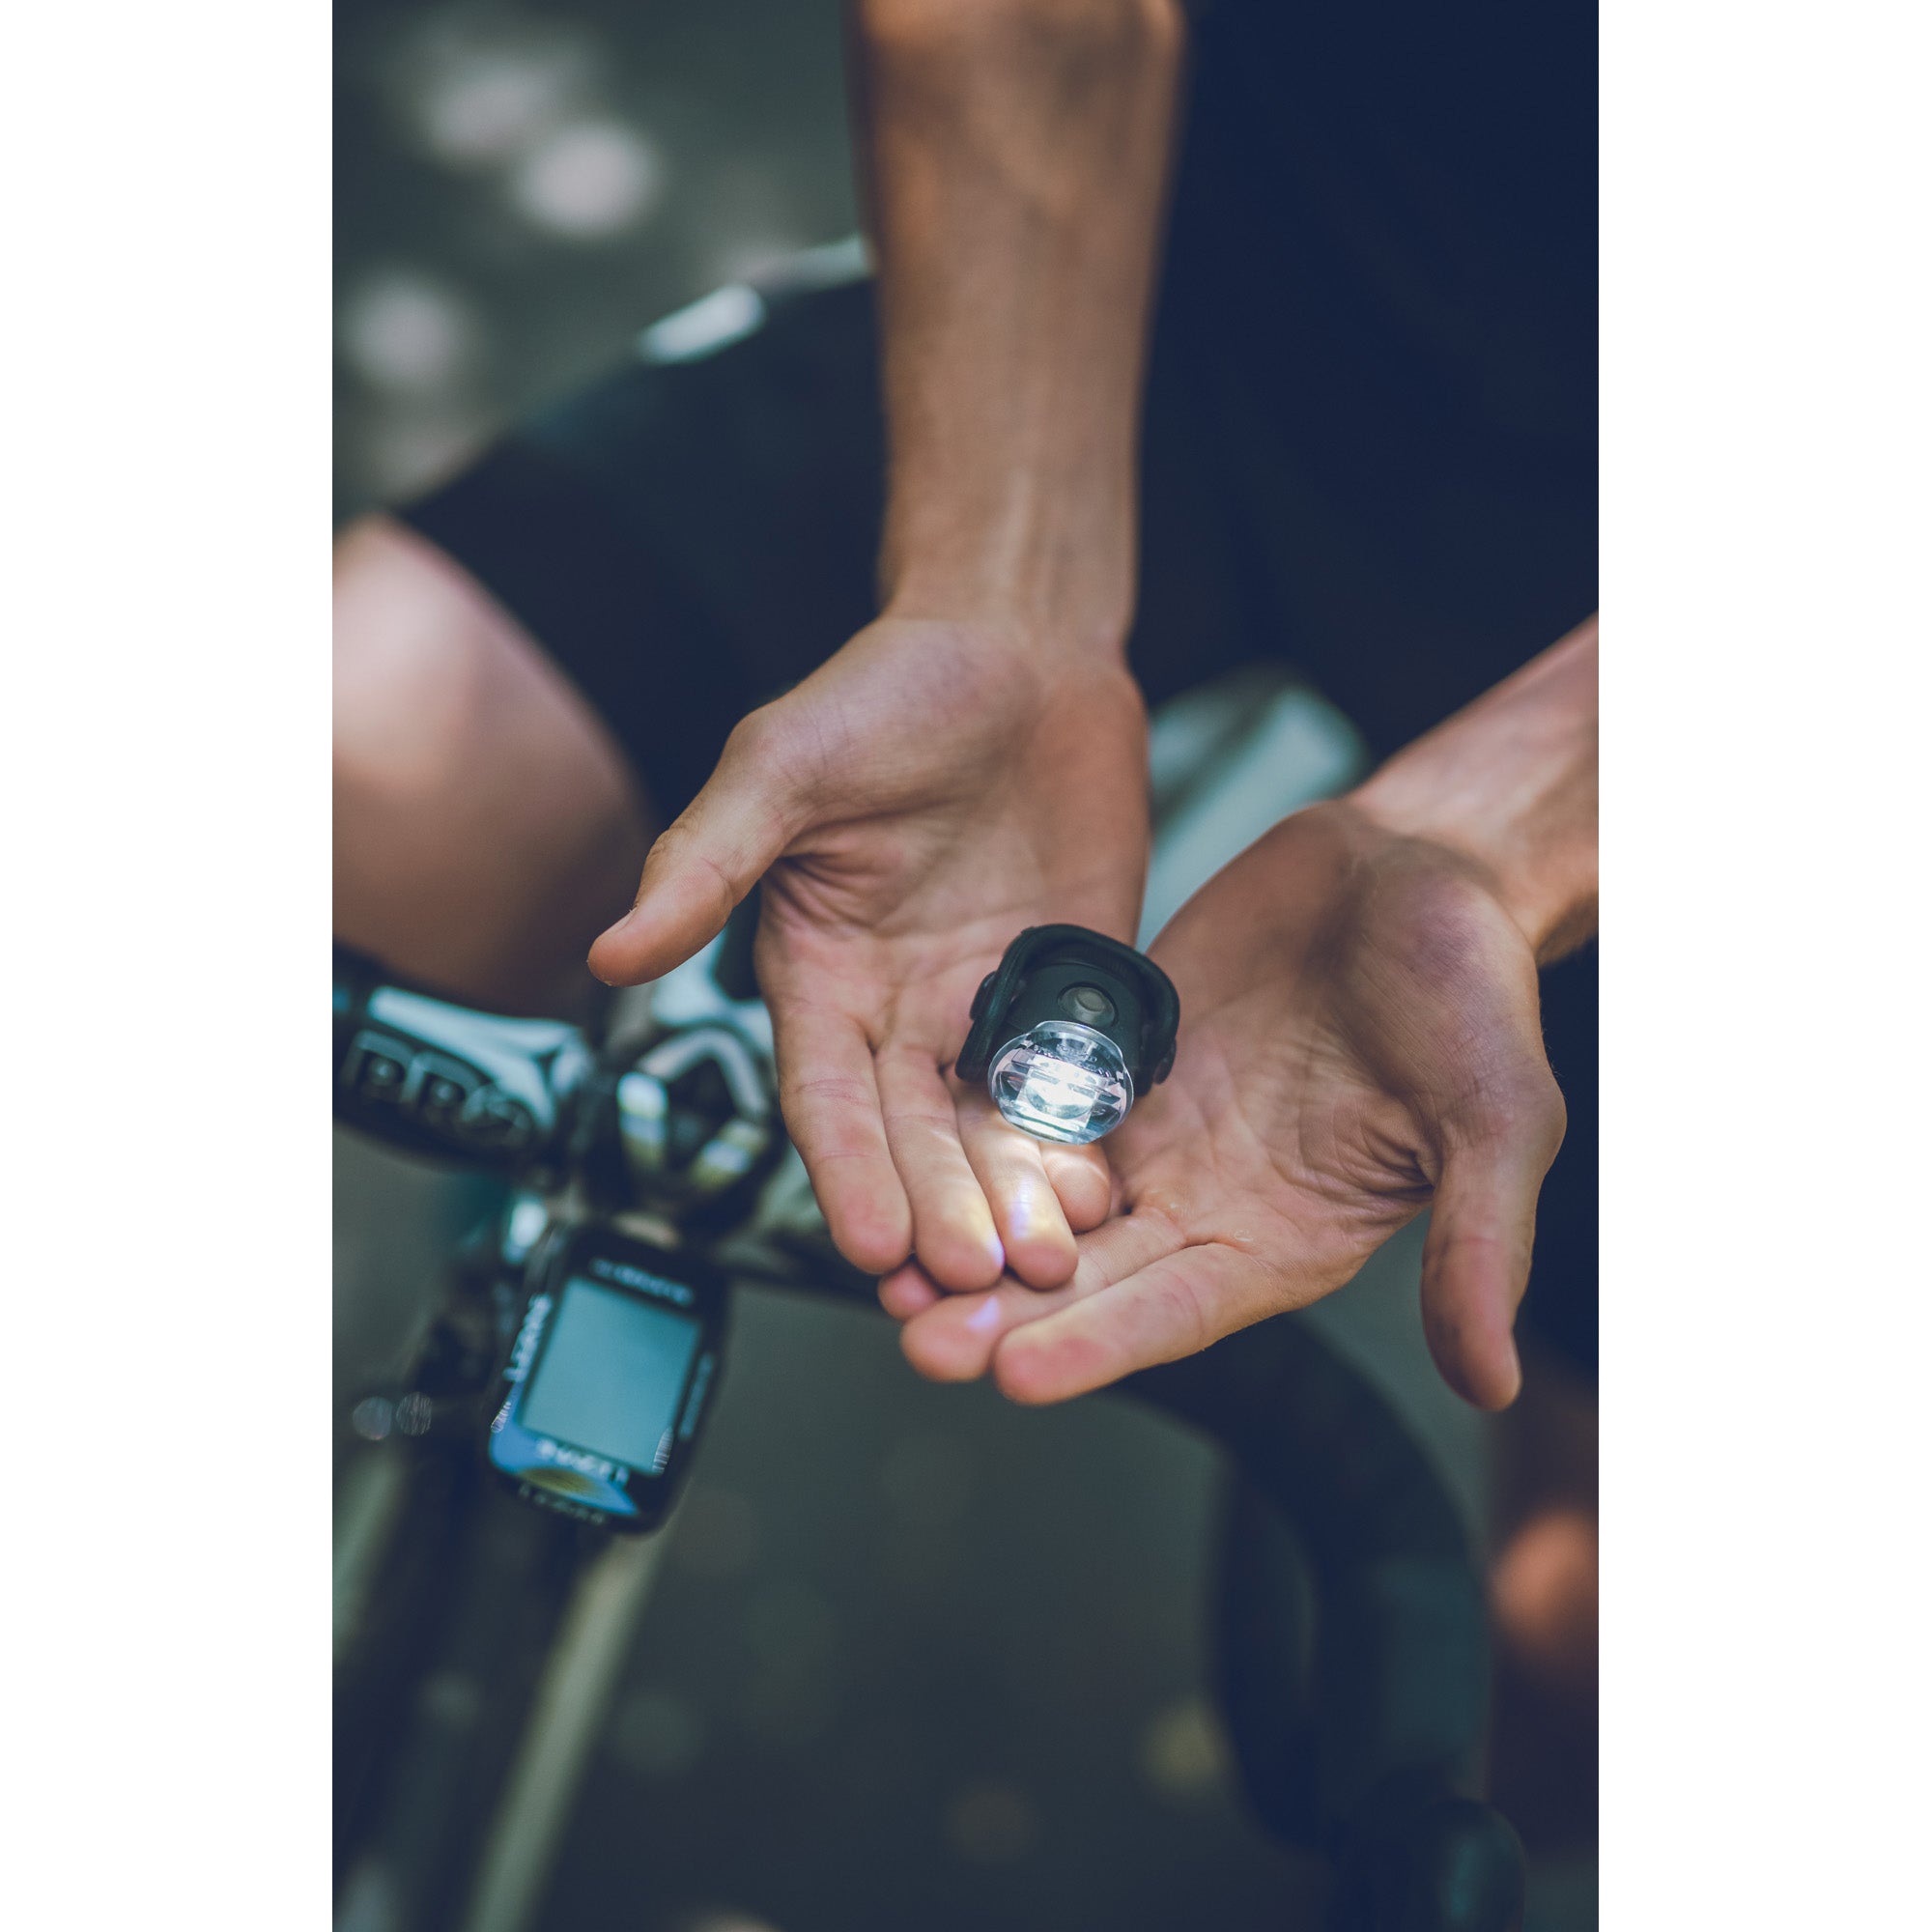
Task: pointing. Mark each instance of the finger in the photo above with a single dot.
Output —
(1012, 1175)
(1084, 1183)
(703, 863)
(954, 1340)
(907, 1291)
(831, 1105)
(1475, 1267)
(952, 1231)
(1174, 1306)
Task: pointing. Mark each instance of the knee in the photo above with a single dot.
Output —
(412, 668)
(486, 824)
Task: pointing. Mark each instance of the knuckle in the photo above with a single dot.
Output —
(1548, 1118)
(679, 846)
(757, 734)
(827, 1091)
(1520, 1108)
(768, 747)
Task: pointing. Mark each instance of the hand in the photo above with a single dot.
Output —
(1359, 1040)
(913, 805)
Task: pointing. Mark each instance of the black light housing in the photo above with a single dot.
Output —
(1068, 1031)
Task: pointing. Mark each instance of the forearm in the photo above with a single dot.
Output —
(1013, 163)
(1511, 782)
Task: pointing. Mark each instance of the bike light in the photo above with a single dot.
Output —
(1062, 1082)
(1068, 1029)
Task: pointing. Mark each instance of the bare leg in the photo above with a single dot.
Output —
(487, 825)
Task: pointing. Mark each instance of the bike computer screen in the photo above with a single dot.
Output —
(613, 1376)
(607, 1380)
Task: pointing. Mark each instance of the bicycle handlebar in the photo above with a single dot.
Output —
(1352, 1647)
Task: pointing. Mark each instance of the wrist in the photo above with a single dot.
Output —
(1550, 895)
(1509, 786)
(1063, 590)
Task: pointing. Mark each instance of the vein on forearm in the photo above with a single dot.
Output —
(1014, 161)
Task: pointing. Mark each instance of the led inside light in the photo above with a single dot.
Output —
(1062, 1082)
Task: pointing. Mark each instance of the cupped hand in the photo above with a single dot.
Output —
(1359, 1040)
(930, 791)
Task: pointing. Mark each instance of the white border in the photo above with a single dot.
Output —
(1766, 1347)
(1764, 1342)
(164, 611)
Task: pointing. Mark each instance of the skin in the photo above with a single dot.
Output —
(486, 826)
(1360, 1041)
(893, 879)
(1359, 1037)
(975, 760)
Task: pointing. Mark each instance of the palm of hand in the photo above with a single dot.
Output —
(1359, 1034)
(912, 806)
(960, 797)
(953, 793)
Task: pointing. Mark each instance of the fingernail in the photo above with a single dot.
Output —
(985, 1316)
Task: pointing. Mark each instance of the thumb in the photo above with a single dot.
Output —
(702, 864)
(1475, 1263)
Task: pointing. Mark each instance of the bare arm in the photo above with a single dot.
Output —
(973, 761)
(1361, 1039)
(1511, 782)
(1014, 156)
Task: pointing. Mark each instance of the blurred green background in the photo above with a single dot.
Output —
(519, 189)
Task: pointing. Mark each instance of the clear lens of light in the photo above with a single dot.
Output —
(1062, 1082)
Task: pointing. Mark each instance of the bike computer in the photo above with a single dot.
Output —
(615, 1357)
